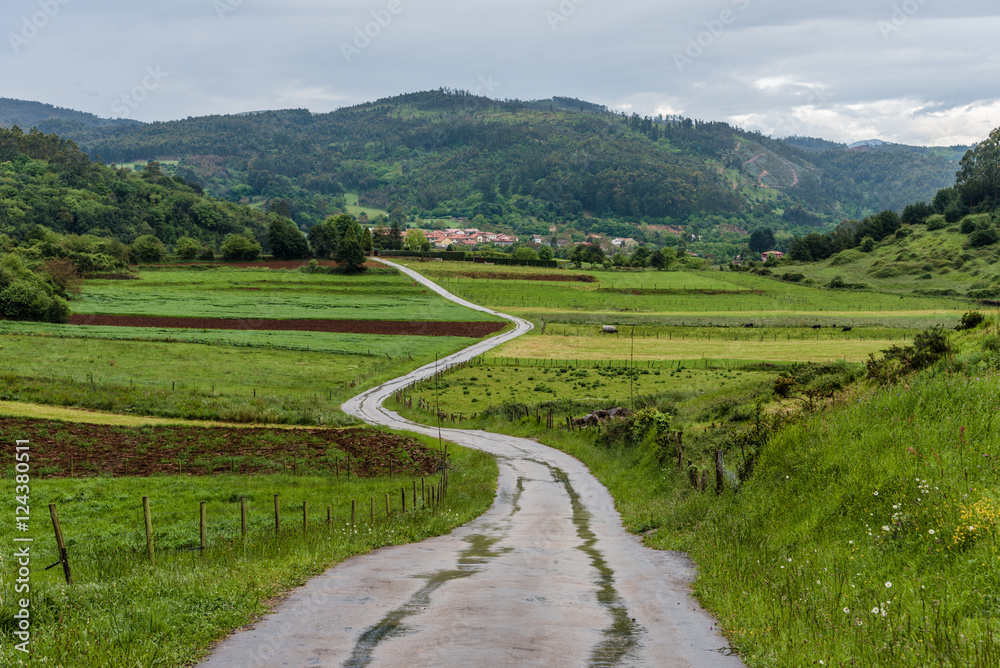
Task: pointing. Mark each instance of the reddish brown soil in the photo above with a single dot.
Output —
(272, 264)
(402, 327)
(62, 450)
(568, 278)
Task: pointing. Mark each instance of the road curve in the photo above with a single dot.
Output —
(546, 577)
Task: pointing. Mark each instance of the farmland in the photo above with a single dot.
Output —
(233, 375)
(703, 298)
(864, 530)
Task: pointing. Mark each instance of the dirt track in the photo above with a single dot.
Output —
(396, 327)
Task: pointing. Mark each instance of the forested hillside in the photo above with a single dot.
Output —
(47, 181)
(527, 165)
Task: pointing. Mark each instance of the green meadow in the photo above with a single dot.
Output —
(224, 292)
(123, 610)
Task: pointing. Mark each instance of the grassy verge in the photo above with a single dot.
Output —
(868, 533)
(122, 611)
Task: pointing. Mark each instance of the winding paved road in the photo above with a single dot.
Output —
(546, 577)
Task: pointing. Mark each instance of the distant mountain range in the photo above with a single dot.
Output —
(520, 165)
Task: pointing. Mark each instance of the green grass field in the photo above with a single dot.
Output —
(223, 292)
(477, 388)
(278, 377)
(123, 611)
(653, 296)
(202, 381)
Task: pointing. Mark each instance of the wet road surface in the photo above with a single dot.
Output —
(546, 577)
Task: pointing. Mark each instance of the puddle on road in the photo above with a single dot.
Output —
(479, 552)
(622, 636)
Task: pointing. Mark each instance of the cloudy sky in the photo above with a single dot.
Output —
(910, 71)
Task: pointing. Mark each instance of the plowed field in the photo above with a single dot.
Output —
(60, 450)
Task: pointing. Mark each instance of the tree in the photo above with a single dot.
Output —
(415, 240)
(350, 256)
(640, 256)
(762, 240)
(656, 259)
(577, 255)
(524, 253)
(147, 249)
(395, 241)
(285, 239)
(545, 253)
(323, 240)
(238, 248)
(25, 295)
(367, 243)
(594, 254)
(187, 248)
(978, 179)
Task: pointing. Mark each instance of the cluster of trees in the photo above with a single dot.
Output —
(659, 258)
(343, 239)
(47, 181)
(974, 201)
(39, 295)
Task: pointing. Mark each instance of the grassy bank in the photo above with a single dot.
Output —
(123, 611)
(868, 533)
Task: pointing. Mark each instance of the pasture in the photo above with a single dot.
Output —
(124, 610)
(695, 298)
(252, 294)
(266, 376)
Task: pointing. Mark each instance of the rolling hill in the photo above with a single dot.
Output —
(520, 165)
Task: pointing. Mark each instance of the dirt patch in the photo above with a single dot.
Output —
(63, 450)
(392, 327)
(567, 278)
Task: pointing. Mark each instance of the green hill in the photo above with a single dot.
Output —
(47, 182)
(528, 165)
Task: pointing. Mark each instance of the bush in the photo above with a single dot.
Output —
(936, 222)
(984, 237)
(970, 320)
(790, 277)
(187, 248)
(147, 249)
(237, 247)
(968, 225)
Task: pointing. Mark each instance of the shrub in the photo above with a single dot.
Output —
(984, 237)
(968, 225)
(790, 277)
(187, 248)
(936, 222)
(237, 247)
(970, 320)
(147, 249)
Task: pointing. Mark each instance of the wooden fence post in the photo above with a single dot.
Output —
(203, 526)
(148, 517)
(353, 523)
(63, 556)
(277, 515)
(719, 478)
